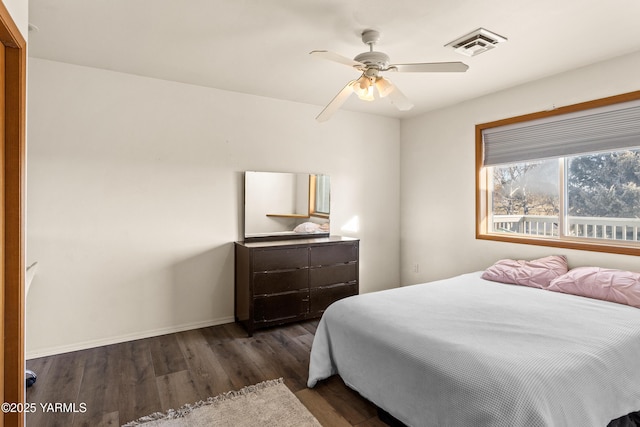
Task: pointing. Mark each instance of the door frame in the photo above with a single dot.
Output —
(13, 168)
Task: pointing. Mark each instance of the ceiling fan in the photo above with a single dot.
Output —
(372, 64)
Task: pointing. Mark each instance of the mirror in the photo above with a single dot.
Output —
(286, 205)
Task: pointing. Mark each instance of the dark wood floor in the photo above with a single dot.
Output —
(123, 382)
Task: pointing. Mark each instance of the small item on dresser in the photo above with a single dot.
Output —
(311, 227)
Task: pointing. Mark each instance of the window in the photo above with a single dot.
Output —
(567, 178)
(319, 194)
(322, 194)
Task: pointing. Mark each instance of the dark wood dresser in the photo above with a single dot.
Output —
(285, 281)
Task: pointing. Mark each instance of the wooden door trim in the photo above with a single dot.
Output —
(14, 187)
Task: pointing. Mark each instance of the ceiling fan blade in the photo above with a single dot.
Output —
(399, 99)
(336, 102)
(335, 57)
(430, 67)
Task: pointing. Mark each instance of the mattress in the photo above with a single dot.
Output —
(471, 352)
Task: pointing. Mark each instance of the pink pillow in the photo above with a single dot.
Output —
(537, 273)
(606, 284)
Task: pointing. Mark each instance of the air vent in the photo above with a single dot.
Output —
(476, 42)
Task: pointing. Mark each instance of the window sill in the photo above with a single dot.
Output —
(611, 246)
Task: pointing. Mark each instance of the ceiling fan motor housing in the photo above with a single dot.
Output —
(372, 59)
(377, 60)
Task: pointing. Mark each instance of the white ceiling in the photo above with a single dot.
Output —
(261, 46)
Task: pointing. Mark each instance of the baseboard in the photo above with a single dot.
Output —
(33, 354)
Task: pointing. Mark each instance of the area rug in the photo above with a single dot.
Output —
(269, 403)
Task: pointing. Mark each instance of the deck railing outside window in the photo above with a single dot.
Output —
(584, 227)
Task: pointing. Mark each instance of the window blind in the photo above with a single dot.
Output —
(609, 128)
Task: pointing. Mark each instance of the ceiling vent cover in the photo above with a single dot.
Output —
(476, 42)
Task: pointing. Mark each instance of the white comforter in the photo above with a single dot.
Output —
(470, 352)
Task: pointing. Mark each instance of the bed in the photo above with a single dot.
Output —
(472, 352)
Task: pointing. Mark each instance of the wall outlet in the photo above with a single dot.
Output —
(416, 268)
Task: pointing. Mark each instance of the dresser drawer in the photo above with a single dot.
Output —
(333, 274)
(280, 259)
(321, 298)
(272, 282)
(333, 254)
(281, 306)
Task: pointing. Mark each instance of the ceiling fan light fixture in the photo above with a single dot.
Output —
(363, 82)
(384, 86)
(363, 88)
(366, 94)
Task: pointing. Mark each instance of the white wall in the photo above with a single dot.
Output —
(134, 198)
(438, 174)
(19, 11)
